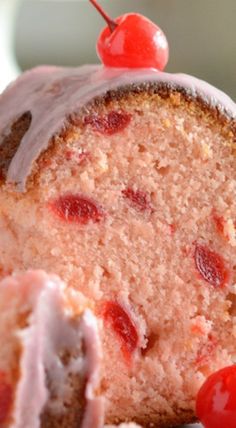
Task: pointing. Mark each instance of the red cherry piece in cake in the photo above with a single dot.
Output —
(78, 157)
(69, 155)
(219, 223)
(135, 42)
(123, 326)
(6, 397)
(205, 352)
(211, 266)
(172, 228)
(109, 124)
(82, 157)
(77, 209)
(216, 400)
(138, 198)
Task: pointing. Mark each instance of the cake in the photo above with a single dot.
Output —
(49, 356)
(122, 183)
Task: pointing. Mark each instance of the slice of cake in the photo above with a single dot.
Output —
(123, 183)
(49, 356)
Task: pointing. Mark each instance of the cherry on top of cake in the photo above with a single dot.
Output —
(131, 41)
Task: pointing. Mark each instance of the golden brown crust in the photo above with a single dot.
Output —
(177, 97)
(119, 99)
(182, 417)
(11, 142)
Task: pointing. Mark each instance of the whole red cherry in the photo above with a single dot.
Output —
(216, 400)
(132, 41)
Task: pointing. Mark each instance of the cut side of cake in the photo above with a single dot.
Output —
(123, 184)
(49, 356)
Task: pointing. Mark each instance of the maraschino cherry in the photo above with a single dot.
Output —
(131, 41)
(216, 400)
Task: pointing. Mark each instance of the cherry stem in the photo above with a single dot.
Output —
(111, 24)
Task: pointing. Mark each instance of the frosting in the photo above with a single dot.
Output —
(51, 330)
(94, 415)
(51, 94)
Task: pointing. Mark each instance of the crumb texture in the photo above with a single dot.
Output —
(10, 142)
(142, 218)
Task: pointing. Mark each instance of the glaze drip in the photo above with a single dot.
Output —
(52, 94)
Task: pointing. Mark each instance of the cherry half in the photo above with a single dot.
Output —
(123, 326)
(6, 397)
(74, 208)
(216, 400)
(211, 266)
(131, 41)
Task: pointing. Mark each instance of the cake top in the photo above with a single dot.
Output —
(51, 94)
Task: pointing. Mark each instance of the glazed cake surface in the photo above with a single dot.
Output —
(123, 184)
(48, 95)
(49, 357)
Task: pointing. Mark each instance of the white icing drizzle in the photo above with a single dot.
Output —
(52, 329)
(94, 415)
(51, 94)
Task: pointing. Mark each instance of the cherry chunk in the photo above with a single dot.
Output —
(74, 208)
(123, 327)
(6, 398)
(211, 266)
(108, 124)
(139, 199)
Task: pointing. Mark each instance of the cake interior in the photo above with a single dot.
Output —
(160, 172)
(13, 317)
(43, 366)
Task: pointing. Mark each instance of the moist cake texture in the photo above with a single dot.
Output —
(123, 184)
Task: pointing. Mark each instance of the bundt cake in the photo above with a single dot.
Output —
(122, 183)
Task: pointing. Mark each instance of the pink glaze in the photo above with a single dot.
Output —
(52, 93)
(49, 331)
(94, 416)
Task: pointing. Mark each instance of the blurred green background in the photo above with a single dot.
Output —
(201, 34)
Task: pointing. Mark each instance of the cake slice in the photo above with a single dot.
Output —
(49, 356)
(123, 183)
